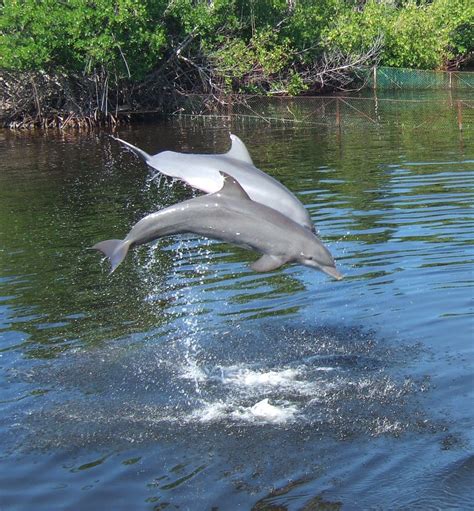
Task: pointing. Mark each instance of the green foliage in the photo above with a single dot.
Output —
(80, 35)
(296, 84)
(207, 21)
(249, 42)
(416, 39)
(355, 31)
(308, 21)
(415, 35)
(458, 16)
(248, 67)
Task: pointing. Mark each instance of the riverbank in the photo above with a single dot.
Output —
(61, 101)
(82, 64)
(38, 100)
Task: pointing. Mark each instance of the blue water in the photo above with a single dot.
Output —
(186, 381)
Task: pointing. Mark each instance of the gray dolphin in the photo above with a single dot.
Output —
(230, 215)
(202, 171)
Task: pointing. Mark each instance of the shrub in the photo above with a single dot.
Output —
(222, 46)
(251, 67)
(79, 35)
(458, 17)
(415, 35)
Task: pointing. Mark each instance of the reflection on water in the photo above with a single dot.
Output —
(185, 379)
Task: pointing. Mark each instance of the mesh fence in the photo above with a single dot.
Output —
(342, 112)
(388, 78)
(407, 98)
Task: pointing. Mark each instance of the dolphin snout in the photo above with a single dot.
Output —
(330, 270)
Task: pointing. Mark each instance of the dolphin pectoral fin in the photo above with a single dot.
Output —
(238, 151)
(114, 250)
(232, 188)
(139, 152)
(267, 263)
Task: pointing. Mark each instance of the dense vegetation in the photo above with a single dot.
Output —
(125, 51)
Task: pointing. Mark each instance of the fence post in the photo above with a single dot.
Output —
(338, 115)
(375, 77)
(230, 106)
(459, 116)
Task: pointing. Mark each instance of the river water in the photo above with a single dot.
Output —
(186, 381)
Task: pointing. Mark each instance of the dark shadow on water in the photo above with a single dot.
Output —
(244, 408)
(338, 382)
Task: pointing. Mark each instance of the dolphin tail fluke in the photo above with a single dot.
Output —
(139, 152)
(114, 250)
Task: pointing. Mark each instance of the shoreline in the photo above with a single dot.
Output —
(36, 100)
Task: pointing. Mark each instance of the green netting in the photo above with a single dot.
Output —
(418, 112)
(402, 79)
(407, 98)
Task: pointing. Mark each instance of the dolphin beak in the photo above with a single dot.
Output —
(330, 270)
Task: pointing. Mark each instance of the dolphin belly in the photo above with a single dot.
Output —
(230, 215)
(203, 172)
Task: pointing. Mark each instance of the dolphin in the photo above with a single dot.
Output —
(202, 171)
(230, 215)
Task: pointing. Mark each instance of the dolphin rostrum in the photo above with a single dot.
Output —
(230, 215)
(202, 171)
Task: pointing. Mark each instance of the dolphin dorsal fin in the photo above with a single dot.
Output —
(238, 151)
(232, 188)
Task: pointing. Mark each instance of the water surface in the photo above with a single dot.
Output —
(186, 381)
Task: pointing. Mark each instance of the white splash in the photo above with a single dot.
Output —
(211, 412)
(264, 411)
(242, 376)
(192, 371)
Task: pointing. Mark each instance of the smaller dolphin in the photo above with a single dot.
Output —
(230, 215)
(202, 171)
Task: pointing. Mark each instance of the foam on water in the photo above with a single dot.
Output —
(247, 377)
(242, 384)
(337, 383)
(262, 412)
(248, 383)
(266, 412)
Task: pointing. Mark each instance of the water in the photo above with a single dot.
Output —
(186, 381)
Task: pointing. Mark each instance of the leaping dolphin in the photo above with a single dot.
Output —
(230, 215)
(202, 171)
